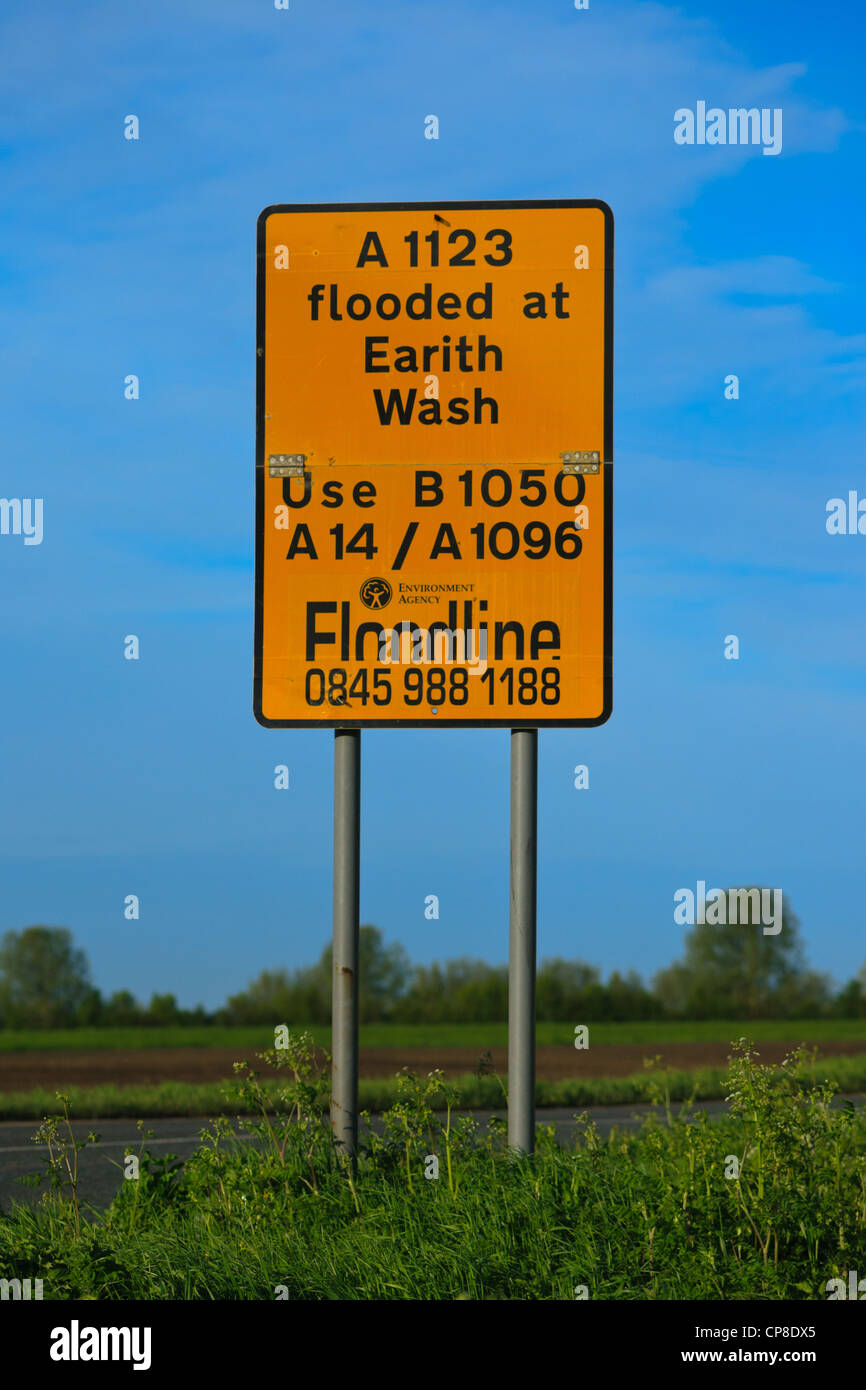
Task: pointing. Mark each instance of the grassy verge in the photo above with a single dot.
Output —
(480, 1035)
(437, 1210)
(477, 1092)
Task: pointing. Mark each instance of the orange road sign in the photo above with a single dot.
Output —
(434, 467)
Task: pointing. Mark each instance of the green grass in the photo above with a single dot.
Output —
(650, 1215)
(477, 1092)
(480, 1035)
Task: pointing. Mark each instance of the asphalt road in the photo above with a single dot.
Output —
(101, 1165)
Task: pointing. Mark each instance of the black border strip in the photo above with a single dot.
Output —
(434, 722)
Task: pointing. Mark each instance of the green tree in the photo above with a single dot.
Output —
(629, 998)
(121, 1010)
(383, 973)
(304, 995)
(567, 991)
(739, 971)
(162, 1009)
(457, 991)
(44, 979)
(851, 1000)
(91, 1009)
(281, 996)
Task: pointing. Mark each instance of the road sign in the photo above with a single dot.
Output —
(434, 464)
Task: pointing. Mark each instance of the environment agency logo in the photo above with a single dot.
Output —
(375, 593)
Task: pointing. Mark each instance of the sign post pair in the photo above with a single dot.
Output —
(434, 520)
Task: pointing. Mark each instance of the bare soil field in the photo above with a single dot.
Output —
(21, 1071)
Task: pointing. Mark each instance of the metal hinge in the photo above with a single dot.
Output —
(581, 461)
(286, 465)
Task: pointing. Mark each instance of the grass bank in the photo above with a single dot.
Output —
(437, 1210)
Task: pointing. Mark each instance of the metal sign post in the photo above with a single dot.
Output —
(522, 933)
(347, 878)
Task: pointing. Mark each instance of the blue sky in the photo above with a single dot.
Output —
(117, 257)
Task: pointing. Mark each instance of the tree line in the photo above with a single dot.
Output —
(724, 972)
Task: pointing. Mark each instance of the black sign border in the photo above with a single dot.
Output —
(434, 722)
